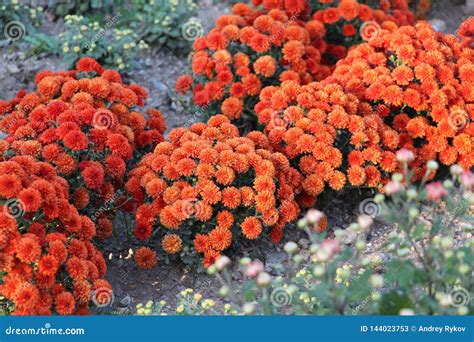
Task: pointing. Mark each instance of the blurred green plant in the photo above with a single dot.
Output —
(17, 20)
(161, 22)
(190, 303)
(425, 267)
(62, 8)
(110, 46)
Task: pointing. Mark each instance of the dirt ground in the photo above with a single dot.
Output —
(159, 69)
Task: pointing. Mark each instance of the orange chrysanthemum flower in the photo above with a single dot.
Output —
(145, 258)
(171, 244)
(251, 228)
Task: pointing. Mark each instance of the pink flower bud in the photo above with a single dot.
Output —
(314, 216)
(435, 191)
(405, 156)
(467, 180)
(393, 187)
(253, 269)
(330, 246)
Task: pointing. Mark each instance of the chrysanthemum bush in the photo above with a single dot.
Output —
(251, 49)
(420, 83)
(349, 22)
(246, 51)
(48, 263)
(207, 188)
(346, 22)
(84, 123)
(426, 268)
(328, 136)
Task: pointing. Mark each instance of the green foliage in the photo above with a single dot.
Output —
(28, 17)
(189, 303)
(78, 7)
(110, 46)
(160, 22)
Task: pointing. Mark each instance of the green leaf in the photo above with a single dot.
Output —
(393, 301)
(96, 4)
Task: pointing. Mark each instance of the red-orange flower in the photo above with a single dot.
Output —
(145, 258)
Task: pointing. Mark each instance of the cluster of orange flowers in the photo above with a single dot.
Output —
(248, 50)
(320, 129)
(287, 40)
(83, 123)
(421, 83)
(349, 22)
(207, 186)
(47, 260)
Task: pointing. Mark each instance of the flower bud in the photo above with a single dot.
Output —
(404, 156)
(379, 198)
(432, 165)
(456, 170)
(290, 247)
(314, 216)
(313, 248)
(448, 254)
(464, 268)
(376, 280)
(412, 193)
(360, 245)
(393, 187)
(248, 308)
(446, 242)
(264, 279)
(222, 263)
(365, 262)
(297, 259)
(406, 312)
(413, 212)
(448, 184)
(224, 291)
(245, 261)
(318, 271)
(444, 299)
(339, 233)
(253, 269)
(365, 221)
(467, 180)
(354, 227)
(302, 223)
(212, 270)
